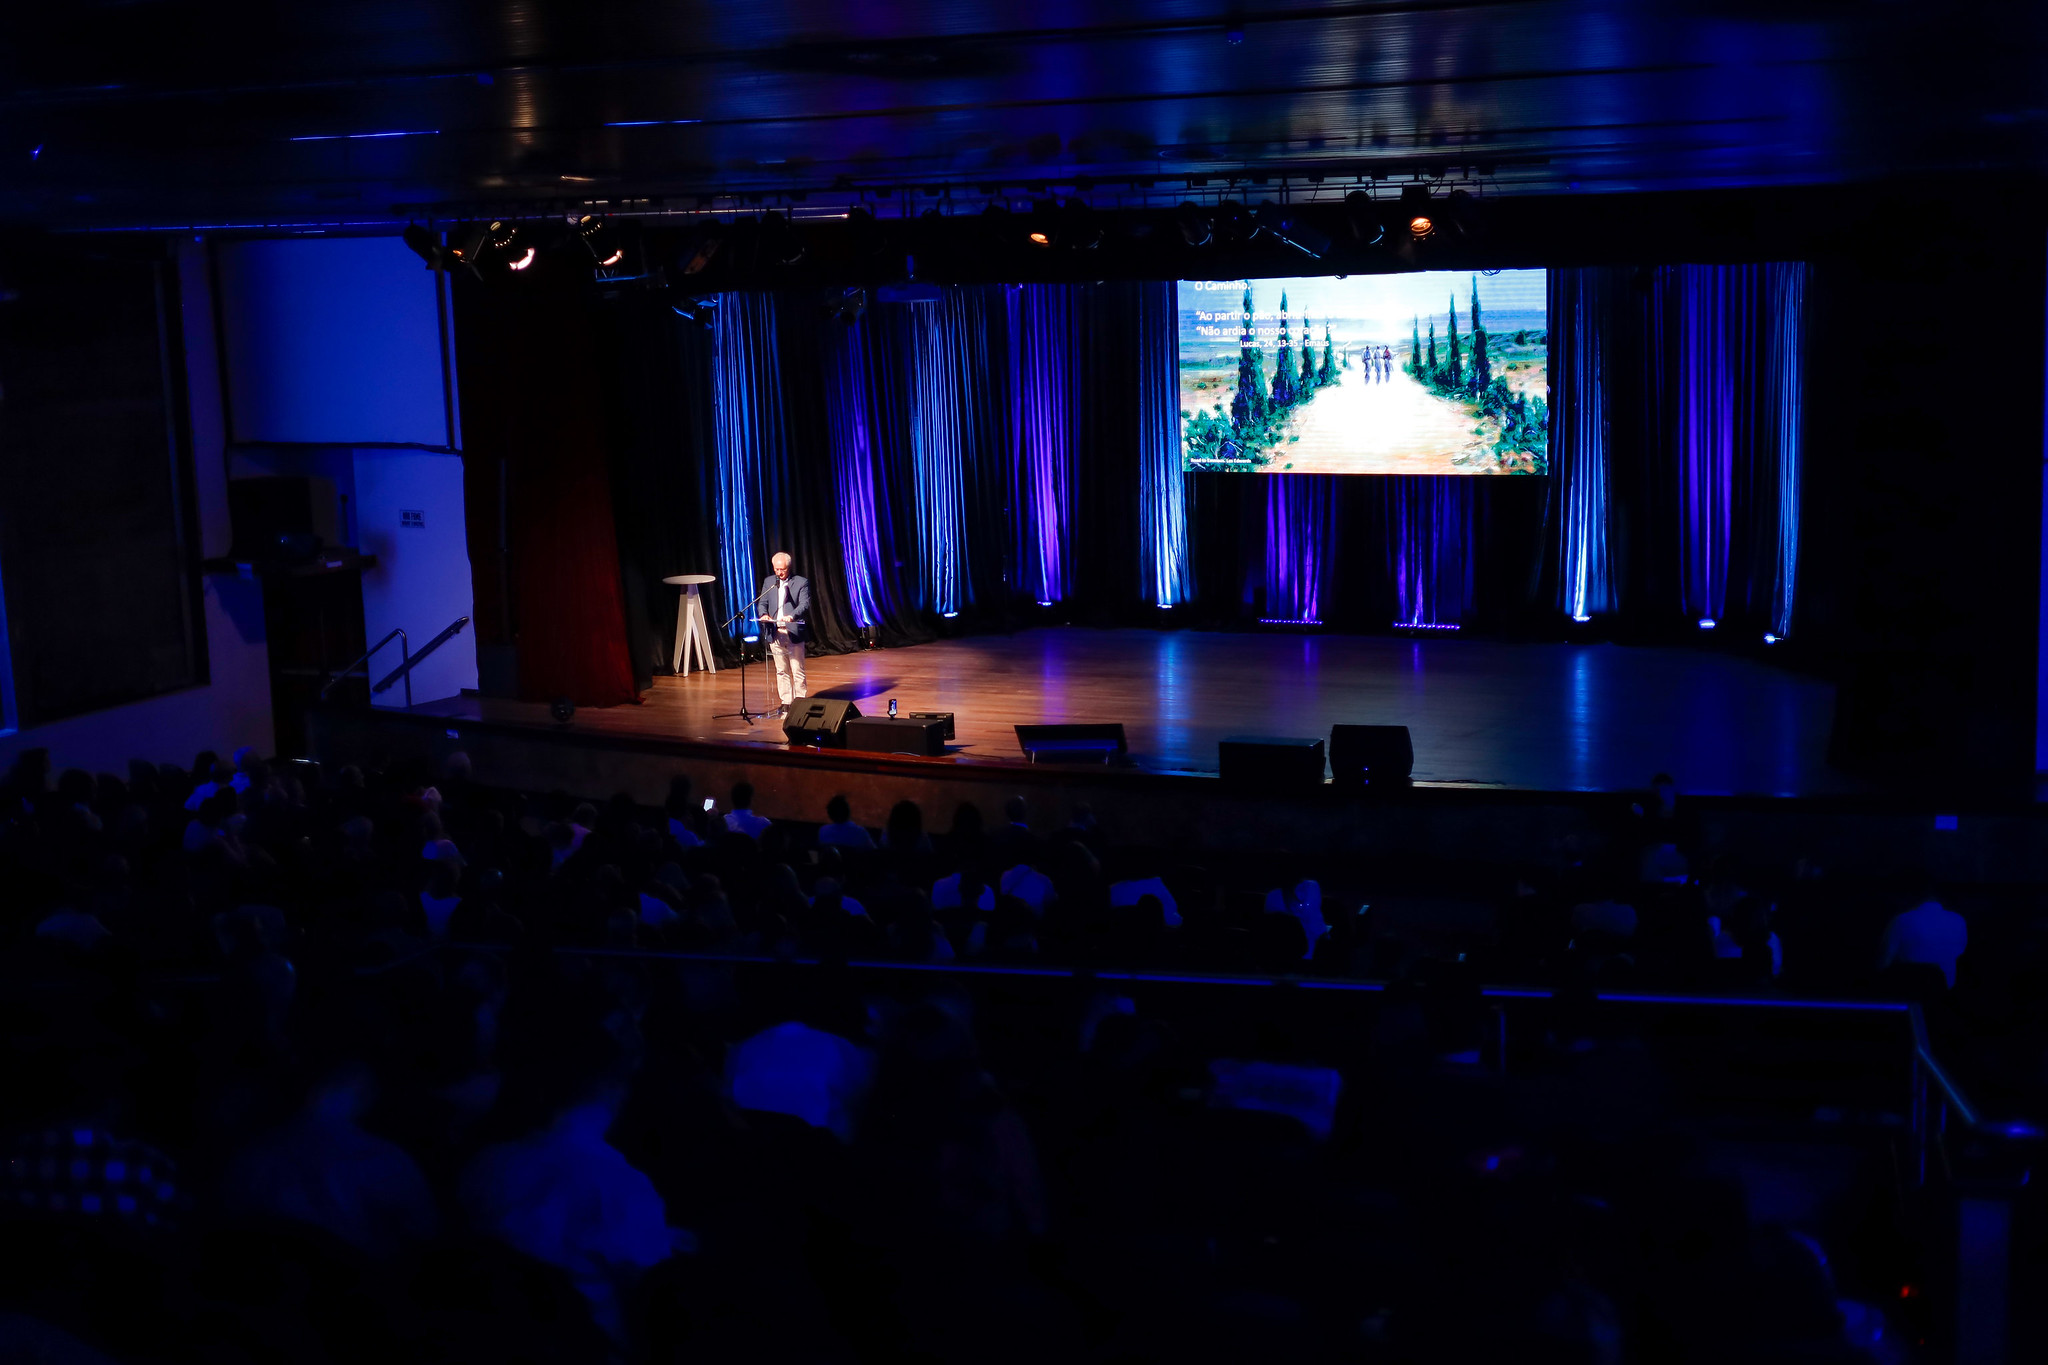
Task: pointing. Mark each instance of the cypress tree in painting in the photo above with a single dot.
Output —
(1415, 346)
(1457, 361)
(1328, 373)
(1248, 405)
(1308, 361)
(1429, 370)
(1482, 370)
(1283, 372)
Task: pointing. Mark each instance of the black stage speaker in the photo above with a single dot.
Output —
(1376, 755)
(1271, 763)
(283, 518)
(818, 720)
(944, 717)
(1072, 743)
(898, 735)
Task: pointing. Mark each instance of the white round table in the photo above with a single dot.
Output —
(691, 632)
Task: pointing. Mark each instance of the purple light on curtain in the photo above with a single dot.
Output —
(1580, 454)
(1162, 485)
(1042, 395)
(1785, 401)
(1299, 532)
(1712, 317)
(747, 414)
(938, 465)
(1429, 548)
(853, 471)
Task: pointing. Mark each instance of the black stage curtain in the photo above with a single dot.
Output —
(536, 489)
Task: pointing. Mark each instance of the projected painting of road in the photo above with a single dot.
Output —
(1438, 372)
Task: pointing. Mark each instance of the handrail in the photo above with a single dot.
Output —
(404, 646)
(412, 661)
(1923, 1052)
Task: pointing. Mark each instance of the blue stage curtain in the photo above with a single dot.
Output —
(847, 408)
(1715, 311)
(747, 407)
(938, 464)
(1162, 487)
(1785, 409)
(976, 324)
(1301, 535)
(1429, 548)
(1730, 363)
(1045, 392)
(1580, 456)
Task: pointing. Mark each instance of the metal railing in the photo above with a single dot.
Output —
(405, 651)
(408, 660)
(413, 661)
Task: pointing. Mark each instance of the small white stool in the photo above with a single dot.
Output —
(691, 632)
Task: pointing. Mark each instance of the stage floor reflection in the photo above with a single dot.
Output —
(1548, 717)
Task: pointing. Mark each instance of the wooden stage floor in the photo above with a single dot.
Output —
(1544, 717)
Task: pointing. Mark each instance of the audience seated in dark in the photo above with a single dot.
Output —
(517, 1073)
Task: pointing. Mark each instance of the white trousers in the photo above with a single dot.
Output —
(789, 668)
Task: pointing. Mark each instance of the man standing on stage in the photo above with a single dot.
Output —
(782, 607)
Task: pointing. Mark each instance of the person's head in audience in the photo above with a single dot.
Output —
(838, 810)
(1016, 812)
(906, 827)
(967, 826)
(742, 796)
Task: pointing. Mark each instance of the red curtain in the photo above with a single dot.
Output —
(537, 485)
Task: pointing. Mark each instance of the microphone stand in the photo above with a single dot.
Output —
(745, 712)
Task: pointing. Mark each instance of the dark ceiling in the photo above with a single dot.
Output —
(189, 112)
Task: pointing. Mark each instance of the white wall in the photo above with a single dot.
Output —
(233, 707)
(332, 341)
(421, 582)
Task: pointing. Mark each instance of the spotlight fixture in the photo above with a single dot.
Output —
(1417, 211)
(697, 308)
(1082, 232)
(1234, 223)
(1042, 229)
(1362, 216)
(470, 249)
(600, 241)
(779, 240)
(1708, 623)
(706, 248)
(523, 261)
(1195, 228)
(426, 246)
(847, 306)
(1462, 213)
(1287, 225)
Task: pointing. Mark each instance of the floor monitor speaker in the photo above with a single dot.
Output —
(1271, 763)
(1102, 744)
(897, 735)
(1370, 755)
(819, 720)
